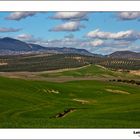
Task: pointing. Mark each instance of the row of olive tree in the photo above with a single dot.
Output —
(126, 81)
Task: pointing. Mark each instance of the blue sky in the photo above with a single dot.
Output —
(97, 32)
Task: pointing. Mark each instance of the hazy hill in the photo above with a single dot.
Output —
(124, 54)
(11, 46)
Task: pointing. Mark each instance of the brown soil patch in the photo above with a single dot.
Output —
(81, 101)
(117, 91)
(36, 76)
(101, 66)
(2, 64)
(135, 72)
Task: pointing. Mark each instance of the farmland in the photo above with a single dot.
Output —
(97, 104)
(46, 62)
(88, 100)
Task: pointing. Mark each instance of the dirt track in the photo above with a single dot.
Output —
(62, 70)
(36, 76)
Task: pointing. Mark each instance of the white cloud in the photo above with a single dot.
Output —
(95, 46)
(68, 26)
(20, 15)
(129, 15)
(71, 41)
(122, 35)
(105, 43)
(92, 43)
(97, 42)
(5, 30)
(70, 15)
(24, 36)
(29, 38)
(65, 42)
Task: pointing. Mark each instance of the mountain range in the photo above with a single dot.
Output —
(14, 46)
(9, 46)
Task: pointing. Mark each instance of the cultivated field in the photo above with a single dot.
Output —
(73, 98)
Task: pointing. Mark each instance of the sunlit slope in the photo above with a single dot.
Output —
(95, 104)
(91, 71)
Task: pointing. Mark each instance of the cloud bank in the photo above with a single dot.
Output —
(70, 16)
(122, 35)
(68, 26)
(129, 15)
(20, 15)
(5, 30)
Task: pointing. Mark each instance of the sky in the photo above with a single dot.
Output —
(97, 32)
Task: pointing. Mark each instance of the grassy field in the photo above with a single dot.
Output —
(91, 71)
(73, 104)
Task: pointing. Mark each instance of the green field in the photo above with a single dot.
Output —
(73, 104)
(92, 71)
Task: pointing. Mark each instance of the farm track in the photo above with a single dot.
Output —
(64, 78)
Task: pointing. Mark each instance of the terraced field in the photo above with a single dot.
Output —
(72, 104)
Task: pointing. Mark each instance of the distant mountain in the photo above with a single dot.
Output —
(125, 54)
(14, 46)
(11, 44)
(62, 50)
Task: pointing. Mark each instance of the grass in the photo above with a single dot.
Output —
(32, 104)
(92, 71)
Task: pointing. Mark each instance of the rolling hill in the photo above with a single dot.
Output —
(51, 61)
(95, 71)
(95, 94)
(125, 54)
(75, 104)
